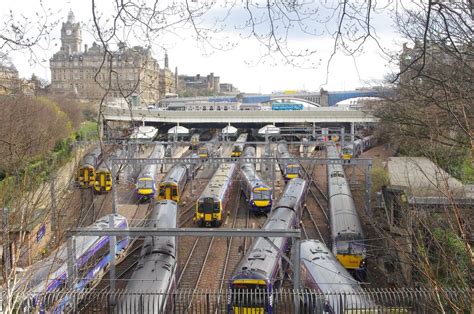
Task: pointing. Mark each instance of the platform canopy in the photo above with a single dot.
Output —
(144, 133)
(180, 130)
(229, 130)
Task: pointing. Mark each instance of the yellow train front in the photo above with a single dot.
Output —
(212, 204)
(86, 176)
(103, 179)
(86, 171)
(173, 183)
(239, 145)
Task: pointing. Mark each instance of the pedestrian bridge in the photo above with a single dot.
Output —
(316, 115)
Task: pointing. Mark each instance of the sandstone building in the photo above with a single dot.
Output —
(93, 73)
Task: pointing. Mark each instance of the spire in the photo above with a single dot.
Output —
(166, 60)
(70, 17)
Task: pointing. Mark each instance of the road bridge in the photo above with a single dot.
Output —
(317, 115)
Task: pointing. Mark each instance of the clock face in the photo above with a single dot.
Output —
(68, 32)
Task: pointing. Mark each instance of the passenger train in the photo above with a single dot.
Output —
(256, 191)
(103, 177)
(239, 145)
(322, 273)
(208, 149)
(261, 270)
(146, 181)
(289, 166)
(172, 185)
(347, 237)
(86, 171)
(91, 260)
(354, 150)
(155, 272)
(195, 140)
(214, 200)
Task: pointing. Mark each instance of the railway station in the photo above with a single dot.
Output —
(243, 211)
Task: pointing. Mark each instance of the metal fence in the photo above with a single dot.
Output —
(281, 301)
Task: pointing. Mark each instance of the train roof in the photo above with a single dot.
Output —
(175, 174)
(39, 274)
(325, 269)
(219, 181)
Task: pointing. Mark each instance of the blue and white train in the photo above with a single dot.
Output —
(261, 270)
(155, 272)
(257, 192)
(146, 181)
(91, 259)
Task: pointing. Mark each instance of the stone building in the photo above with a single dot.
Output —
(167, 80)
(198, 85)
(91, 73)
(9, 80)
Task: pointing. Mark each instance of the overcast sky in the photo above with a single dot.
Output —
(240, 65)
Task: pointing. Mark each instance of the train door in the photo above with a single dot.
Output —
(168, 192)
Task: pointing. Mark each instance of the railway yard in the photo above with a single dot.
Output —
(283, 193)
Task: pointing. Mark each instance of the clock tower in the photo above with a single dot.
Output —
(71, 35)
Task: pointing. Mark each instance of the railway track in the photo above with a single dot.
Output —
(315, 221)
(235, 248)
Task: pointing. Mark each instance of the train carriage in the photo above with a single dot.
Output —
(347, 237)
(103, 177)
(86, 171)
(91, 259)
(172, 185)
(239, 145)
(146, 181)
(289, 166)
(155, 272)
(214, 200)
(261, 271)
(321, 272)
(256, 191)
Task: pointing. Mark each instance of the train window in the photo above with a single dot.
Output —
(211, 108)
(216, 207)
(218, 107)
(162, 191)
(174, 191)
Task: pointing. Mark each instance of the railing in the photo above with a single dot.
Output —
(281, 301)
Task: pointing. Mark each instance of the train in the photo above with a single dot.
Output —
(355, 149)
(214, 200)
(92, 258)
(286, 106)
(322, 273)
(347, 236)
(195, 141)
(155, 272)
(172, 185)
(208, 149)
(239, 145)
(256, 191)
(103, 177)
(262, 269)
(146, 181)
(86, 171)
(289, 166)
